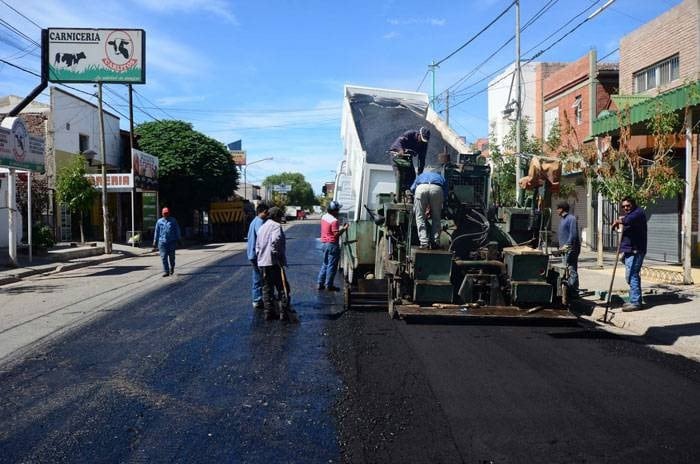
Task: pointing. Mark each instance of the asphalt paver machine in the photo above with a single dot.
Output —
(479, 272)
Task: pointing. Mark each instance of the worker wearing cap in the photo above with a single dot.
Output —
(271, 253)
(430, 190)
(569, 246)
(412, 143)
(330, 242)
(165, 239)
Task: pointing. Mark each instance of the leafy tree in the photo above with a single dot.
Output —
(194, 169)
(302, 194)
(628, 172)
(74, 191)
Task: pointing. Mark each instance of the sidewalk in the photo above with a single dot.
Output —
(65, 258)
(670, 318)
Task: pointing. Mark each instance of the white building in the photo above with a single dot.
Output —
(500, 89)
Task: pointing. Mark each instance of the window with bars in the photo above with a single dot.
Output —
(658, 75)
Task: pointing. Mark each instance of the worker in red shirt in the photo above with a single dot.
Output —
(331, 230)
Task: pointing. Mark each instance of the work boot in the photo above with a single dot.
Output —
(258, 304)
(321, 287)
(270, 315)
(332, 288)
(166, 274)
(629, 307)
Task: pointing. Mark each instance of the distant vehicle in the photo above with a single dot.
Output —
(292, 212)
(318, 209)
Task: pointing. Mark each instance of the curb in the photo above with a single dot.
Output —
(49, 269)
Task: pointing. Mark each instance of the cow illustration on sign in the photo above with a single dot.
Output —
(119, 51)
(119, 46)
(69, 58)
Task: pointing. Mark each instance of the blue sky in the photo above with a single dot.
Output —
(272, 72)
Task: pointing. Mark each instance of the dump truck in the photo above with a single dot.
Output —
(483, 270)
(229, 219)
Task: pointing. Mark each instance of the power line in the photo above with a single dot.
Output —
(546, 7)
(538, 54)
(423, 80)
(20, 13)
(476, 35)
(611, 53)
(21, 34)
(158, 107)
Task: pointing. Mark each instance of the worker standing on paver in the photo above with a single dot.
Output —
(330, 241)
(261, 211)
(412, 143)
(430, 190)
(271, 253)
(633, 248)
(165, 239)
(569, 246)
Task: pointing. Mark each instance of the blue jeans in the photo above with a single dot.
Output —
(257, 282)
(331, 257)
(167, 255)
(633, 265)
(570, 260)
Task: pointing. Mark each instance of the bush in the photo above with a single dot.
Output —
(42, 236)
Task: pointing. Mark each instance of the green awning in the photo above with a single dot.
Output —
(641, 107)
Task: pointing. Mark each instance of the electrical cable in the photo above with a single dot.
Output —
(476, 35)
(20, 13)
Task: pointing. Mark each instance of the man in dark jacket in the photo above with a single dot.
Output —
(410, 144)
(569, 245)
(633, 247)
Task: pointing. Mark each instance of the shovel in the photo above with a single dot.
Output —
(612, 280)
(287, 312)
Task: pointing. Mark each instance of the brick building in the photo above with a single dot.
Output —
(660, 63)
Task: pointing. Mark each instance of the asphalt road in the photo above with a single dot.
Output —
(186, 372)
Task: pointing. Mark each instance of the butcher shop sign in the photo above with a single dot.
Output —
(96, 55)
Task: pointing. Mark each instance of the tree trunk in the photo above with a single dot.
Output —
(82, 232)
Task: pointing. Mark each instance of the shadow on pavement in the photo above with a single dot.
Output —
(32, 289)
(668, 335)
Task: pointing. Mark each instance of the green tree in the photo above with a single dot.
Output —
(74, 191)
(194, 169)
(302, 194)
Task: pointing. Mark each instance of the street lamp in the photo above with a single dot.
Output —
(245, 175)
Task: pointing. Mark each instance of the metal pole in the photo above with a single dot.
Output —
(687, 204)
(599, 210)
(432, 68)
(518, 109)
(131, 152)
(447, 108)
(245, 182)
(11, 235)
(103, 156)
(29, 213)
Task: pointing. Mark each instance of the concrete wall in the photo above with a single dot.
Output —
(675, 32)
(72, 116)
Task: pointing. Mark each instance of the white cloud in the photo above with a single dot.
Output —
(219, 8)
(390, 35)
(439, 22)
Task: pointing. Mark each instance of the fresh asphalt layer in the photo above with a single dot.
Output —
(187, 372)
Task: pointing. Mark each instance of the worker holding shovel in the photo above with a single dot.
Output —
(270, 249)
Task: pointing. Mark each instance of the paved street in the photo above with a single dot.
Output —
(181, 369)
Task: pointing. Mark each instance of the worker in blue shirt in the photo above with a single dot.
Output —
(569, 246)
(430, 191)
(633, 248)
(261, 210)
(165, 239)
(412, 143)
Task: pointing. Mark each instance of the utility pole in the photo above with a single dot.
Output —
(447, 107)
(518, 109)
(131, 152)
(105, 210)
(432, 67)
